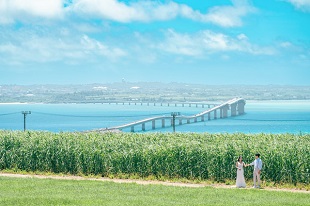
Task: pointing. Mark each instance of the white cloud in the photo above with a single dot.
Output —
(291, 47)
(40, 8)
(108, 9)
(226, 16)
(96, 47)
(286, 44)
(27, 47)
(137, 11)
(205, 42)
(303, 5)
(180, 44)
(242, 37)
(115, 10)
(229, 16)
(10, 10)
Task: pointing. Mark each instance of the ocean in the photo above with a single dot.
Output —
(260, 117)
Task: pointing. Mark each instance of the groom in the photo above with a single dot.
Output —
(258, 164)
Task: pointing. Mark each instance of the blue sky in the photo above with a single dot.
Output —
(207, 41)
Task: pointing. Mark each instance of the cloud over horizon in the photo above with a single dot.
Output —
(60, 45)
(54, 46)
(206, 42)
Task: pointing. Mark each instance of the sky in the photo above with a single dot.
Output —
(215, 42)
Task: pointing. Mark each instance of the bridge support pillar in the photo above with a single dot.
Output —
(195, 119)
(188, 121)
(225, 109)
(202, 118)
(215, 114)
(241, 107)
(163, 123)
(153, 124)
(180, 121)
(233, 108)
(143, 127)
(209, 115)
(132, 129)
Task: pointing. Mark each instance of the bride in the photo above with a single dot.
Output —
(240, 182)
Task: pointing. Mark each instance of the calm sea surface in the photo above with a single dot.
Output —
(265, 116)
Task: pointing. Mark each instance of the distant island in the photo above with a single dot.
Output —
(147, 92)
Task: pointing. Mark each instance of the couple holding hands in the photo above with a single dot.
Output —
(257, 163)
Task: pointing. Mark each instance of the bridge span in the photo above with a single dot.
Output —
(236, 107)
(169, 104)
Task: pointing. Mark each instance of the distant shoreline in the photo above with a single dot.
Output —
(248, 101)
(277, 101)
(148, 92)
(7, 103)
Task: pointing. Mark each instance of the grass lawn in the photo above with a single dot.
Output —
(34, 191)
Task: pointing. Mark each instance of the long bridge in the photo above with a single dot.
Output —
(236, 107)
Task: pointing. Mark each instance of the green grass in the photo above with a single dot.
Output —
(33, 191)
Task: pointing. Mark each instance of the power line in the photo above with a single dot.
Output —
(9, 113)
(147, 115)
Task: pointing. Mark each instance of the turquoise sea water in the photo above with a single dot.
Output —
(265, 116)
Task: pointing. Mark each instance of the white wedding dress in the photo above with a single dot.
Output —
(240, 182)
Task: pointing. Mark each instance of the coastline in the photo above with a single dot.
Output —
(12, 103)
(300, 101)
(280, 101)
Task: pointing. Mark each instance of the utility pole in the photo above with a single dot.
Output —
(25, 114)
(174, 114)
